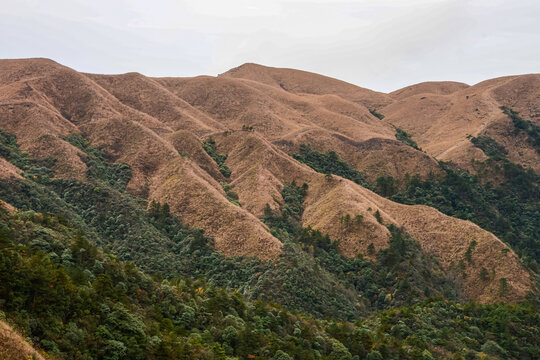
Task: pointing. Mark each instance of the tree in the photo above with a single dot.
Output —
(371, 249)
(339, 351)
(281, 355)
(490, 347)
(114, 350)
(426, 355)
(378, 217)
(386, 185)
(154, 209)
(503, 288)
(374, 355)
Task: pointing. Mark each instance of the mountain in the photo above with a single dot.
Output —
(150, 124)
(76, 301)
(441, 117)
(325, 197)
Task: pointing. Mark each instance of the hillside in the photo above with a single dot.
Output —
(430, 87)
(442, 122)
(258, 117)
(77, 301)
(14, 347)
(199, 217)
(303, 82)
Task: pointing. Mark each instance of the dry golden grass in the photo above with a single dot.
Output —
(303, 82)
(7, 206)
(152, 98)
(429, 87)
(8, 171)
(440, 121)
(449, 238)
(327, 122)
(189, 145)
(260, 170)
(200, 201)
(522, 93)
(157, 125)
(14, 347)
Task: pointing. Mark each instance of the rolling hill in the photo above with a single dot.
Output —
(258, 117)
(284, 186)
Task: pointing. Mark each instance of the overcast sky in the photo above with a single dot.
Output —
(379, 44)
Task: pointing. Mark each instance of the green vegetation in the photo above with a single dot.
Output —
(329, 163)
(231, 195)
(509, 209)
(376, 114)
(406, 138)
(460, 332)
(86, 272)
(158, 243)
(378, 217)
(484, 275)
(386, 185)
(489, 146)
(99, 166)
(289, 221)
(77, 302)
(32, 167)
(527, 126)
(210, 147)
(10, 151)
(468, 253)
(402, 274)
(349, 222)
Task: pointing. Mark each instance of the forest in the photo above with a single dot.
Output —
(87, 271)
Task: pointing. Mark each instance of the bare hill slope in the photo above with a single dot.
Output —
(260, 170)
(441, 123)
(258, 116)
(14, 347)
(303, 82)
(430, 87)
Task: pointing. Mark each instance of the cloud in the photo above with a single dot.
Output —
(384, 44)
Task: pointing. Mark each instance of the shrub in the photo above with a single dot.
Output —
(376, 114)
(489, 146)
(405, 138)
(210, 147)
(329, 163)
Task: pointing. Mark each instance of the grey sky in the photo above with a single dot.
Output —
(378, 44)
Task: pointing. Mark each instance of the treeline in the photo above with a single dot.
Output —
(532, 130)
(88, 273)
(311, 276)
(75, 301)
(402, 274)
(508, 209)
(502, 198)
(329, 163)
(406, 138)
(100, 167)
(210, 147)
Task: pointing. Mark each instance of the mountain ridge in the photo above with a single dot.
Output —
(259, 116)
